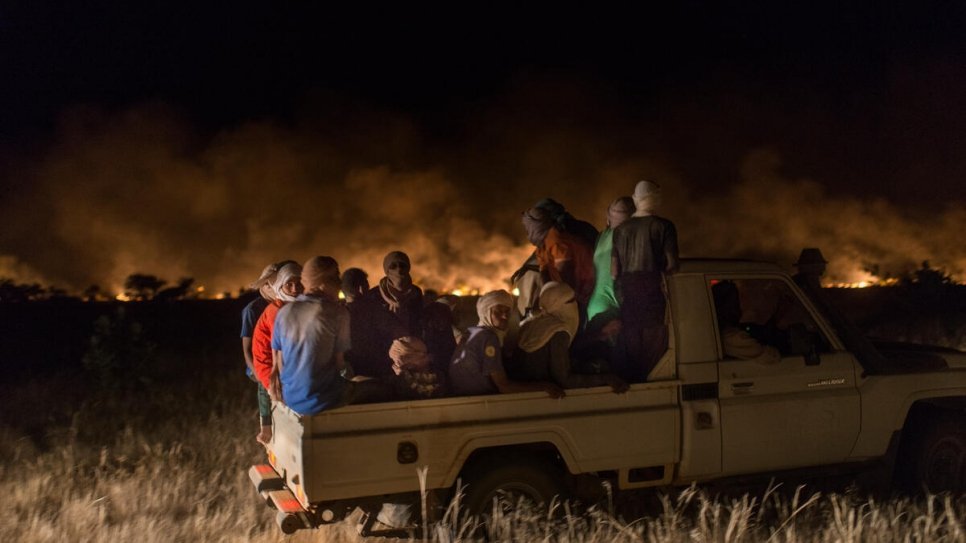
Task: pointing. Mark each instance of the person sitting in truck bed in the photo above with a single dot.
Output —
(286, 286)
(562, 256)
(310, 340)
(250, 315)
(736, 342)
(477, 365)
(371, 328)
(390, 310)
(542, 352)
(397, 294)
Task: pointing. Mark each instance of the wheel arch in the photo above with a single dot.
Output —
(543, 446)
(930, 402)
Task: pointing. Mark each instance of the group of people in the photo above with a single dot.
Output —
(591, 307)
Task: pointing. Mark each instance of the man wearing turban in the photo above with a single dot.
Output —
(477, 365)
(645, 247)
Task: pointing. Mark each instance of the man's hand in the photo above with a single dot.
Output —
(618, 385)
(275, 388)
(553, 390)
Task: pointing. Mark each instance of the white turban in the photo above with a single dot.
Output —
(486, 303)
(647, 196)
(284, 274)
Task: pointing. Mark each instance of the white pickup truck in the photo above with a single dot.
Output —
(701, 417)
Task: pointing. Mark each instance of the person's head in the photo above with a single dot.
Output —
(396, 265)
(288, 284)
(264, 282)
(727, 303)
(647, 197)
(811, 262)
(556, 297)
(619, 211)
(320, 275)
(409, 353)
(493, 308)
(355, 283)
(537, 223)
(553, 208)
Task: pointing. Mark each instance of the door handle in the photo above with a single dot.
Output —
(742, 388)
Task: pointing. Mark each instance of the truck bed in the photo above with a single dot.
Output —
(359, 450)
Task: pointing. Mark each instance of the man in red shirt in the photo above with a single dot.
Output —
(287, 286)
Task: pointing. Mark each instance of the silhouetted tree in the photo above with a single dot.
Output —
(177, 292)
(13, 292)
(91, 293)
(139, 286)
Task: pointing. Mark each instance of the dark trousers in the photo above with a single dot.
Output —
(264, 405)
(644, 335)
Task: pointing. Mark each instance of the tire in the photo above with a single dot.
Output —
(940, 459)
(510, 481)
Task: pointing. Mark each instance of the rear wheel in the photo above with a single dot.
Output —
(940, 463)
(510, 484)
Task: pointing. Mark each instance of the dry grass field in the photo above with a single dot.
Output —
(164, 458)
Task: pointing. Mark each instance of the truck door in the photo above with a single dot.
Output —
(787, 394)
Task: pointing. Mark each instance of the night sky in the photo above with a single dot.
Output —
(206, 141)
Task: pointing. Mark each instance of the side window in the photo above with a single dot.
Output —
(762, 314)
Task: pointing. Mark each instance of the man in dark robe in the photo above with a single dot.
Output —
(371, 327)
(645, 247)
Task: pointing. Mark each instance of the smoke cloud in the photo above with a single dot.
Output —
(142, 190)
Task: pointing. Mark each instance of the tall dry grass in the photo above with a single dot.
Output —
(170, 465)
(165, 459)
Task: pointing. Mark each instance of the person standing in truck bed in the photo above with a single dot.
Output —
(644, 248)
(477, 365)
(309, 342)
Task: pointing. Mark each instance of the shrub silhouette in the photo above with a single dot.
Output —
(139, 286)
(118, 355)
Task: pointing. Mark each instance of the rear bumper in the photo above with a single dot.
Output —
(290, 516)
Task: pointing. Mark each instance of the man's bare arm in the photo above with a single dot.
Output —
(247, 351)
(505, 385)
(274, 383)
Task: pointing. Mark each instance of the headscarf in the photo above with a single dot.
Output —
(320, 271)
(409, 353)
(397, 285)
(285, 273)
(647, 196)
(484, 309)
(410, 361)
(558, 312)
(555, 210)
(264, 282)
(398, 275)
(620, 210)
(538, 223)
